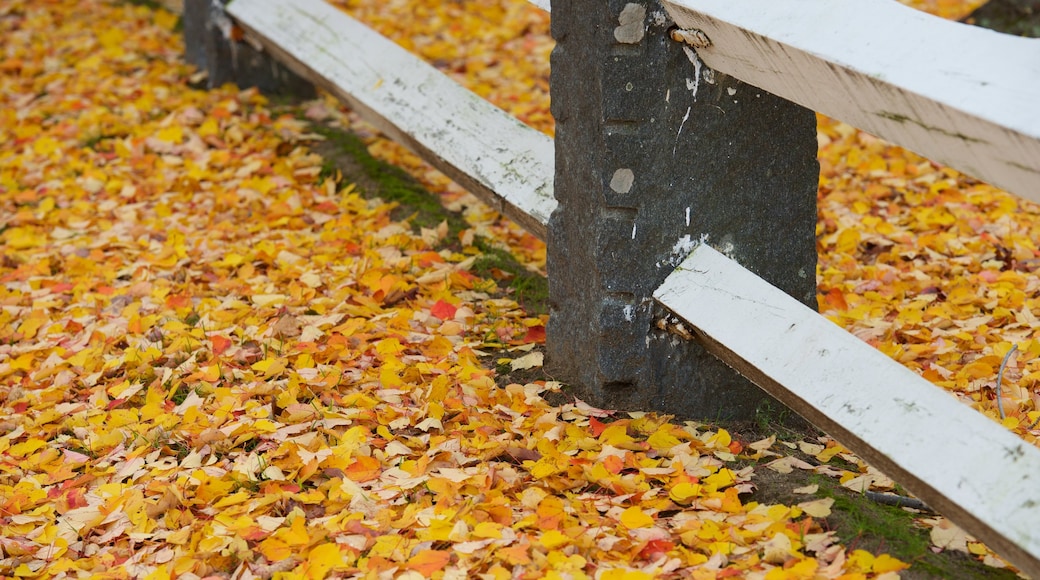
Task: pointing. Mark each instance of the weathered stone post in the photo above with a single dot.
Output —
(212, 43)
(654, 153)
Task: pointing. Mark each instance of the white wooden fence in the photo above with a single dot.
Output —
(963, 96)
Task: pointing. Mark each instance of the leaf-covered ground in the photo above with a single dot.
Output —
(218, 359)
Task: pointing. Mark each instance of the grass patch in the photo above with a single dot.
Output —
(864, 524)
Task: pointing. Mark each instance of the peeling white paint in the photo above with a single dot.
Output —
(630, 312)
(684, 119)
(694, 83)
(687, 217)
(709, 75)
(633, 231)
(683, 246)
(731, 91)
(659, 17)
(667, 95)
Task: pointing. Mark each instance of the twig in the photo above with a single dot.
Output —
(1000, 377)
(898, 501)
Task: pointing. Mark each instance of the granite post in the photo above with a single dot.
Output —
(213, 43)
(656, 152)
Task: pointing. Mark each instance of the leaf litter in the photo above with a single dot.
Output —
(213, 361)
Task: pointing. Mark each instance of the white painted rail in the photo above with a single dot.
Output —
(969, 468)
(958, 94)
(492, 154)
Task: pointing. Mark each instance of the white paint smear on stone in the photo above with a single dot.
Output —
(630, 27)
(622, 180)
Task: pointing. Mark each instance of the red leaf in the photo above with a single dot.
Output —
(443, 310)
(656, 548)
(535, 334)
(596, 426)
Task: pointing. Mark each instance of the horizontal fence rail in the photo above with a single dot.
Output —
(969, 101)
(487, 151)
(959, 94)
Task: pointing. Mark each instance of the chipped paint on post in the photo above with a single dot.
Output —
(694, 83)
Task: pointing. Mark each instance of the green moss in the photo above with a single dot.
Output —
(530, 289)
(861, 523)
(347, 155)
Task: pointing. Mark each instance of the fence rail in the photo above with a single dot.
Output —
(973, 109)
(965, 97)
(505, 163)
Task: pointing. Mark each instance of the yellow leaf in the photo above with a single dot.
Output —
(662, 439)
(634, 517)
(623, 574)
(275, 549)
(23, 238)
(269, 366)
(22, 363)
(720, 440)
(488, 530)
(616, 434)
(544, 467)
(265, 426)
(885, 563)
(861, 561)
(723, 478)
(171, 134)
(323, 558)
(211, 373)
(45, 145)
(553, 539)
(111, 37)
(263, 300)
(684, 492)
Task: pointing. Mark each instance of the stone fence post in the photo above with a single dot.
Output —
(654, 153)
(213, 44)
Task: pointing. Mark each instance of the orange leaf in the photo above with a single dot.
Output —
(836, 300)
(219, 344)
(596, 427)
(426, 562)
(613, 464)
(364, 468)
